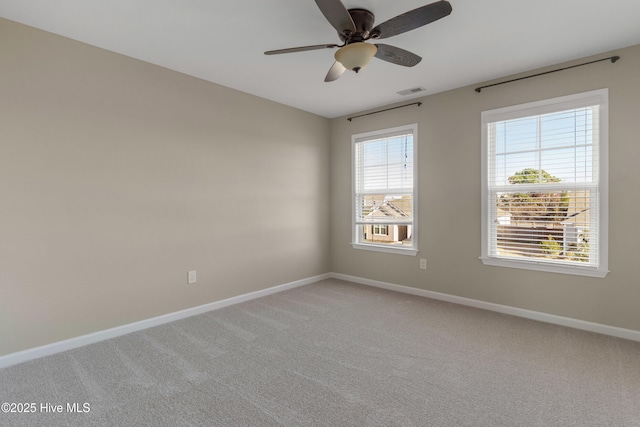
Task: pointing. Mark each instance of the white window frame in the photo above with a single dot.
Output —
(357, 243)
(597, 97)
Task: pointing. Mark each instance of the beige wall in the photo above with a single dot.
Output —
(117, 177)
(449, 199)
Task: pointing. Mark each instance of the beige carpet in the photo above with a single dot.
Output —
(337, 354)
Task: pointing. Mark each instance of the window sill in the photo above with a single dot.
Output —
(550, 268)
(388, 249)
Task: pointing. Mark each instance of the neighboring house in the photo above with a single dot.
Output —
(529, 236)
(387, 232)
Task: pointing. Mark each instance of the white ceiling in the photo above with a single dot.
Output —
(223, 41)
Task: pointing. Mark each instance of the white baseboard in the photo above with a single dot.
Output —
(60, 346)
(629, 334)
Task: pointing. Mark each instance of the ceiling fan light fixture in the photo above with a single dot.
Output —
(356, 56)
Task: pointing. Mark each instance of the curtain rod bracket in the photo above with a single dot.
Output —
(613, 60)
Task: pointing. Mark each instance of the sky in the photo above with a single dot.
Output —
(560, 143)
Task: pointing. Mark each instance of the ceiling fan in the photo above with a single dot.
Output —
(355, 27)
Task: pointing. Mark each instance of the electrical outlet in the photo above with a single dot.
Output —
(191, 277)
(423, 264)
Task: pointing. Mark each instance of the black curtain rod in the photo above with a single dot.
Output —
(613, 59)
(382, 111)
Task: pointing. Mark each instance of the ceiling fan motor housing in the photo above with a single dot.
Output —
(363, 20)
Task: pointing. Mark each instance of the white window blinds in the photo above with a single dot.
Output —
(543, 183)
(383, 168)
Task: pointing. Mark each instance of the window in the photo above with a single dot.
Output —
(381, 230)
(384, 197)
(544, 185)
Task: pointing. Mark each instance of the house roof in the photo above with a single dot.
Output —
(388, 209)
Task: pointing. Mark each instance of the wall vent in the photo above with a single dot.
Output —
(411, 91)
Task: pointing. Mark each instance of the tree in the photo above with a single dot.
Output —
(532, 176)
(538, 205)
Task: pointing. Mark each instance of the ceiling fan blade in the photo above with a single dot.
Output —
(300, 49)
(335, 72)
(411, 20)
(398, 56)
(337, 15)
